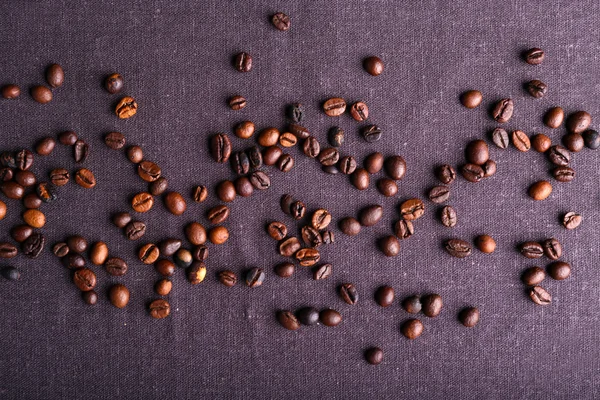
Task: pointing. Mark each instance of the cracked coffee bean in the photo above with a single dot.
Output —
(134, 230)
(243, 62)
(472, 173)
(220, 147)
(85, 178)
(403, 229)
(539, 295)
(33, 245)
(311, 236)
(552, 248)
(336, 136)
(531, 249)
(412, 209)
(114, 140)
(255, 277)
(159, 309)
(308, 257)
(277, 230)
(536, 88)
(503, 110)
(439, 194)
(348, 293)
(115, 266)
(445, 174)
(237, 102)
(571, 220)
(281, 21)
(322, 272)
(329, 156)
(371, 133)
(227, 278)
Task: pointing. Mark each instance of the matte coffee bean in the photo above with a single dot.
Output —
(536, 88)
(347, 165)
(395, 167)
(12, 190)
(135, 154)
(289, 247)
(348, 293)
(371, 133)
(242, 187)
(387, 187)
(359, 111)
(336, 136)
(329, 156)
(349, 226)
(295, 112)
(159, 186)
(370, 215)
(195, 233)
(384, 296)
(148, 171)
(255, 277)
(328, 237)
(389, 246)
(520, 140)
(119, 295)
(311, 236)
(113, 83)
(237, 102)
(554, 117)
(297, 210)
(533, 276)
(77, 243)
(220, 147)
(7, 159)
(23, 159)
(288, 320)
(573, 141)
(159, 309)
(240, 164)
(126, 107)
(196, 272)
(8, 250)
(540, 190)
(142, 202)
(59, 177)
(360, 179)
(200, 253)
(485, 243)
(472, 173)
(540, 142)
(115, 266)
(534, 56)
(571, 220)
(218, 214)
(73, 261)
(329, 317)
(114, 140)
(412, 328)
(477, 152)
(552, 248)
(60, 249)
(254, 157)
(284, 270)
(448, 216)
(300, 131)
(471, 98)
(503, 110)
(531, 249)
(168, 247)
(33, 245)
(281, 21)
(320, 219)
(164, 267)
(175, 203)
(85, 178)
(403, 229)
(539, 295)
(243, 62)
(134, 230)
(99, 253)
(458, 248)
(199, 193)
(163, 287)
(445, 174)
(500, 138)
(308, 257)
(288, 139)
(559, 270)
(10, 273)
(591, 138)
(6, 174)
(439, 194)
(271, 155)
(286, 203)
(311, 147)
(322, 272)
(374, 162)
(90, 297)
(84, 279)
(148, 253)
(489, 168)
(374, 355)
(25, 178)
(20, 233)
(432, 305)
(412, 304)
(244, 130)
(41, 94)
(334, 107)
(558, 155)
(469, 316)
(578, 122)
(11, 91)
(45, 146)
(285, 163)
(227, 278)
(260, 180)
(373, 65)
(80, 151)
(268, 137)
(218, 235)
(412, 209)
(120, 220)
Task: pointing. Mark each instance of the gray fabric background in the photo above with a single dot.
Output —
(226, 343)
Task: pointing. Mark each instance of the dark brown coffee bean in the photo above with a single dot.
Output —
(99, 253)
(23, 159)
(6, 174)
(77, 243)
(533, 276)
(237, 102)
(200, 193)
(311, 236)
(12, 190)
(25, 178)
(277, 230)
(521, 141)
(113, 83)
(115, 266)
(389, 246)
(20, 233)
(445, 173)
(320, 219)
(308, 257)
(298, 130)
(159, 186)
(360, 179)
(536, 88)
(387, 187)
(331, 169)
(578, 122)
(148, 253)
(308, 316)
(8, 250)
(471, 98)
(554, 117)
(573, 141)
(84, 279)
(500, 138)
(477, 152)
(539, 295)
(195, 233)
(60, 249)
(175, 203)
(469, 316)
(164, 267)
(242, 187)
(558, 155)
(328, 237)
(439, 194)
(472, 173)
(395, 167)
(255, 277)
(534, 56)
(559, 270)
(260, 180)
(373, 65)
(285, 163)
(458, 248)
(114, 140)
(220, 147)
(119, 295)
(281, 21)
(540, 190)
(503, 110)
(329, 156)
(168, 247)
(371, 133)
(348, 293)
(159, 309)
(90, 297)
(183, 258)
(73, 261)
(552, 248)
(412, 328)
(121, 219)
(403, 229)
(41, 94)
(540, 142)
(347, 165)
(284, 270)
(349, 226)
(134, 230)
(384, 296)
(370, 215)
(7, 159)
(33, 245)
(80, 151)
(286, 203)
(412, 304)
(412, 209)
(288, 320)
(227, 278)
(200, 253)
(254, 157)
(329, 317)
(334, 107)
(374, 162)
(311, 147)
(485, 243)
(45, 146)
(571, 220)
(591, 139)
(271, 155)
(289, 247)
(374, 355)
(432, 305)
(297, 210)
(11, 91)
(243, 62)
(135, 154)
(322, 272)
(489, 168)
(85, 178)
(531, 249)
(336, 136)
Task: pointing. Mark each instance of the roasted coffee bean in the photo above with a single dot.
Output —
(33, 245)
(23, 159)
(373, 65)
(558, 155)
(477, 152)
(371, 133)
(540, 190)
(370, 215)
(255, 277)
(531, 249)
(311, 147)
(8, 160)
(308, 316)
(533, 276)
(121, 219)
(320, 219)
(329, 156)
(11, 91)
(540, 142)
(297, 210)
(334, 107)
(286, 203)
(395, 167)
(118, 295)
(237, 102)
(288, 320)
(159, 309)
(41, 94)
(200, 253)
(126, 107)
(284, 270)
(330, 169)
(142, 202)
(240, 164)
(374, 355)
(322, 272)
(59, 177)
(220, 147)
(328, 237)
(80, 151)
(242, 187)
(77, 243)
(485, 243)
(348, 293)
(196, 272)
(6, 174)
(500, 138)
(571, 220)
(45, 146)
(195, 233)
(295, 112)
(471, 98)
(134, 230)
(242, 62)
(289, 246)
(164, 267)
(412, 304)
(503, 110)
(175, 203)
(288, 139)
(311, 236)
(387, 187)
(448, 217)
(148, 171)
(99, 253)
(336, 136)
(115, 266)
(573, 141)
(539, 295)
(84, 279)
(308, 257)
(359, 111)
(445, 173)
(552, 248)
(469, 316)
(472, 172)
(403, 229)
(254, 157)
(199, 193)
(347, 165)
(260, 180)
(90, 297)
(3, 206)
(298, 130)
(25, 178)
(85, 178)
(73, 261)
(135, 154)
(534, 56)
(591, 138)
(148, 253)
(559, 270)
(60, 249)
(21, 232)
(244, 129)
(563, 174)
(389, 246)
(113, 83)
(329, 317)
(349, 226)
(281, 21)
(384, 296)
(8, 250)
(458, 248)
(277, 230)
(521, 141)
(12, 190)
(227, 278)
(285, 163)
(489, 168)
(412, 328)
(536, 88)
(374, 162)
(412, 209)
(578, 122)
(159, 186)
(218, 214)
(360, 179)
(168, 247)
(554, 117)
(10, 273)
(432, 305)
(439, 194)
(271, 155)
(114, 140)
(268, 137)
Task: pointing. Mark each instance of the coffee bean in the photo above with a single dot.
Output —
(33, 245)
(196, 273)
(134, 230)
(148, 253)
(135, 154)
(142, 202)
(45, 146)
(540, 190)
(281, 21)
(286, 203)
(271, 155)
(448, 217)
(295, 112)
(571, 220)
(552, 248)
(578, 122)
(559, 270)
(195, 233)
(489, 168)
(254, 157)
(6, 174)
(471, 98)
(373, 65)
(41, 94)
(432, 305)
(540, 142)
(536, 88)
(531, 249)
(243, 62)
(573, 141)
(121, 219)
(387, 187)
(311, 236)
(359, 111)
(84, 279)
(119, 295)
(320, 219)
(114, 140)
(477, 152)
(168, 247)
(503, 110)
(25, 178)
(77, 243)
(255, 277)
(183, 258)
(12, 190)
(554, 117)
(297, 210)
(521, 141)
(539, 295)
(159, 186)
(237, 102)
(289, 247)
(403, 229)
(308, 257)
(395, 167)
(90, 297)
(268, 137)
(328, 237)
(591, 138)
(242, 187)
(311, 147)
(485, 243)
(347, 165)
(298, 130)
(31, 200)
(113, 83)
(285, 163)
(389, 246)
(7, 159)
(533, 276)
(260, 180)
(534, 56)
(115, 266)
(244, 129)
(288, 139)
(371, 133)
(126, 108)
(8, 250)
(445, 174)
(159, 309)
(164, 267)
(11, 91)
(73, 261)
(284, 270)
(60, 249)
(384, 296)
(175, 203)
(439, 194)
(59, 177)
(240, 164)
(20, 233)
(360, 179)
(348, 293)
(148, 171)
(558, 155)
(220, 147)
(336, 136)
(370, 215)
(349, 226)
(322, 272)
(10, 273)
(277, 230)
(200, 253)
(469, 316)
(227, 278)
(412, 328)
(412, 209)
(500, 138)
(329, 317)
(458, 248)
(85, 178)
(329, 156)
(334, 107)
(99, 253)
(23, 159)
(288, 320)
(412, 304)
(218, 214)
(80, 151)
(25, 202)
(472, 173)
(374, 355)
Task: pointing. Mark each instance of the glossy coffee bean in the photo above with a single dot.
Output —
(119, 295)
(135, 154)
(115, 266)
(8, 250)
(285, 163)
(243, 62)
(389, 246)
(348, 293)
(374, 162)
(536, 88)
(34, 218)
(578, 122)
(387, 187)
(134, 230)
(552, 248)
(432, 305)
(77, 243)
(558, 155)
(45, 146)
(439, 194)
(255, 277)
(183, 258)
(114, 140)
(540, 142)
(120, 220)
(489, 168)
(591, 138)
(284, 270)
(360, 179)
(559, 270)
(500, 138)
(477, 152)
(373, 65)
(90, 297)
(563, 174)
(220, 147)
(374, 355)
(41, 94)
(471, 98)
(164, 267)
(243, 187)
(533, 276)
(540, 190)
(472, 173)
(148, 171)
(99, 253)
(260, 180)
(334, 107)
(412, 304)
(349, 226)
(311, 236)
(80, 151)
(25, 178)
(148, 253)
(485, 243)
(458, 248)
(322, 272)
(159, 309)
(520, 140)
(142, 202)
(289, 246)
(12, 190)
(163, 287)
(85, 178)
(553, 118)
(10, 91)
(448, 216)
(469, 316)
(320, 219)
(20, 233)
(347, 165)
(297, 210)
(286, 203)
(227, 278)
(412, 328)
(300, 131)
(59, 177)
(395, 167)
(84, 279)
(6, 174)
(329, 317)
(113, 83)
(503, 110)
(384, 296)
(175, 203)
(288, 139)
(571, 220)
(539, 295)
(534, 56)
(336, 136)
(531, 249)
(288, 320)
(199, 193)
(308, 257)
(268, 137)
(237, 102)
(168, 247)
(159, 186)
(244, 130)
(445, 174)
(196, 272)
(573, 141)
(271, 155)
(218, 235)
(311, 147)
(73, 260)
(329, 156)
(412, 209)
(370, 215)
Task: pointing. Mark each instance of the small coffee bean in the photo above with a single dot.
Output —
(244, 130)
(320, 219)
(389, 246)
(7, 159)
(472, 173)
(329, 156)
(115, 266)
(77, 243)
(240, 164)
(336, 136)
(45, 146)
(412, 328)
(34, 218)
(311, 236)
(571, 220)
(387, 187)
(489, 168)
(148, 171)
(374, 355)
(540, 142)
(159, 309)
(384, 296)
(163, 287)
(25, 178)
(371, 215)
(373, 65)
(448, 217)
(218, 235)
(311, 147)
(242, 62)
(458, 248)
(536, 88)
(334, 107)
(99, 253)
(159, 186)
(554, 117)
(322, 272)
(11, 91)
(471, 98)
(6, 174)
(533, 276)
(540, 190)
(552, 248)
(485, 243)
(23, 159)
(41, 94)
(432, 305)
(135, 154)
(73, 261)
(142, 202)
(281, 21)
(347, 165)
(349, 226)
(297, 210)
(360, 179)
(284, 270)
(308, 257)
(573, 141)
(218, 214)
(412, 304)
(164, 267)
(531, 249)
(195, 233)
(254, 157)
(359, 111)
(289, 247)
(60, 249)
(237, 102)
(558, 155)
(534, 56)
(439, 194)
(85, 178)
(285, 163)
(395, 167)
(403, 229)
(168, 247)
(228, 278)
(371, 133)
(255, 277)
(121, 219)
(329, 317)
(288, 139)
(268, 137)
(119, 295)
(175, 203)
(445, 174)
(3, 206)
(260, 180)
(286, 203)
(183, 258)
(412, 209)
(84, 279)
(298, 130)
(242, 187)
(521, 141)
(59, 177)
(220, 147)
(10, 273)
(578, 122)
(500, 138)
(348, 293)
(328, 237)
(539, 295)
(199, 193)
(114, 140)
(20, 233)
(8, 250)
(271, 155)
(196, 272)
(90, 297)
(126, 107)
(200, 253)
(288, 320)
(469, 316)
(113, 83)
(591, 138)
(503, 110)
(559, 270)
(134, 230)
(148, 253)
(295, 112)
(477, 152)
